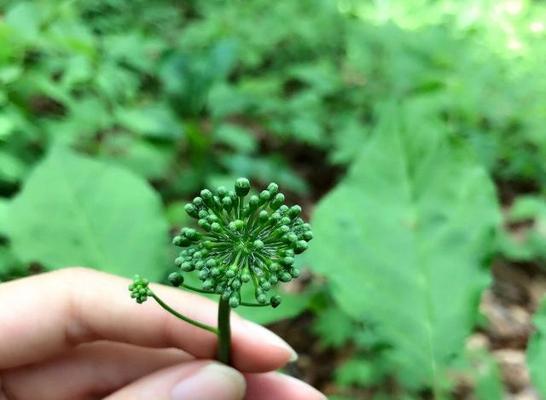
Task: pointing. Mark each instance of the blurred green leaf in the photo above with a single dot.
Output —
(527, 242)
(238, 138)
(536, 351)
(156, 120)
(359, 372)
(11, 168)
(25, 18)
(77, 211)
(402, 239)
(488, 379)
(3, 215)
(334, 327)
(150, 160)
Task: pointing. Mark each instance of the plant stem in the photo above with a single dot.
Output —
(224, 332)
(183, 317)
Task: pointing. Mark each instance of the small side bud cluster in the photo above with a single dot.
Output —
(139, 289)
(242, 240)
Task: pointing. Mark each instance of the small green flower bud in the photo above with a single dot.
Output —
(178, 261)
(198, 202)
(264, 196)
(190, 233)
(203, 214)
(292, 238)
(221, 191)
(274, 267)
(253, 202)
(245, 277)
(197, 255)
(277, 201)
(181, 241)
(285, 220)
(208, 284)
(232, 271)
(261, 298)
(300, 247)
(294, 211)
(191, 210)
(176, 279)
(265, 285)
(139, 289)
(285, 277)
(215, 227)
(275, 217)
(273, 188)
(294, 272)
(236, 284)
(187, 266)
(283, 209)
(258, 244)
(206, 195)
(234, 302)
(308, 236)
(236, 225)
(275, 301)
(242, 187)
(227, 203)
(264, 216)
(204, 224)
(287, 261)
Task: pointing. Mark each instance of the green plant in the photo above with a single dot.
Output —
(251, 242)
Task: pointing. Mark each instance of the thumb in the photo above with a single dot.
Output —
(197, 380)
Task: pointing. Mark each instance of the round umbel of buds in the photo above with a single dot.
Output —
(244, 238)
(139, 289)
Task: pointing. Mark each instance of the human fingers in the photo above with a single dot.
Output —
(275, 386)
(197, 380)
(50, 313)
(90, 370)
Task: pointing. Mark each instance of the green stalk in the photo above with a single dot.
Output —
(166, 307)
(224, 332)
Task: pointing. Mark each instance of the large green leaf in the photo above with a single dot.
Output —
(536, 352)
(3, 215)
(402, 239)
(77, 211)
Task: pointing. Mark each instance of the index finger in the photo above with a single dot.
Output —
(46, 314)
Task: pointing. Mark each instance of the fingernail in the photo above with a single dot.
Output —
(215, 381)
(273, 340)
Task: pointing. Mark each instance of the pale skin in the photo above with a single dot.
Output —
(75, 334)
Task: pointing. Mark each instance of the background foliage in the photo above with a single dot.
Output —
(416, 127)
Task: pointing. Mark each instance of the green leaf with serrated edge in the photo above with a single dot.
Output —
(402, 239)
(536, 351)
(77, 211)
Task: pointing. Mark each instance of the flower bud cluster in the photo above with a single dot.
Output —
(243, 239)
(139, 289)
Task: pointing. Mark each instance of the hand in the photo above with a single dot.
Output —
(75, 334)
